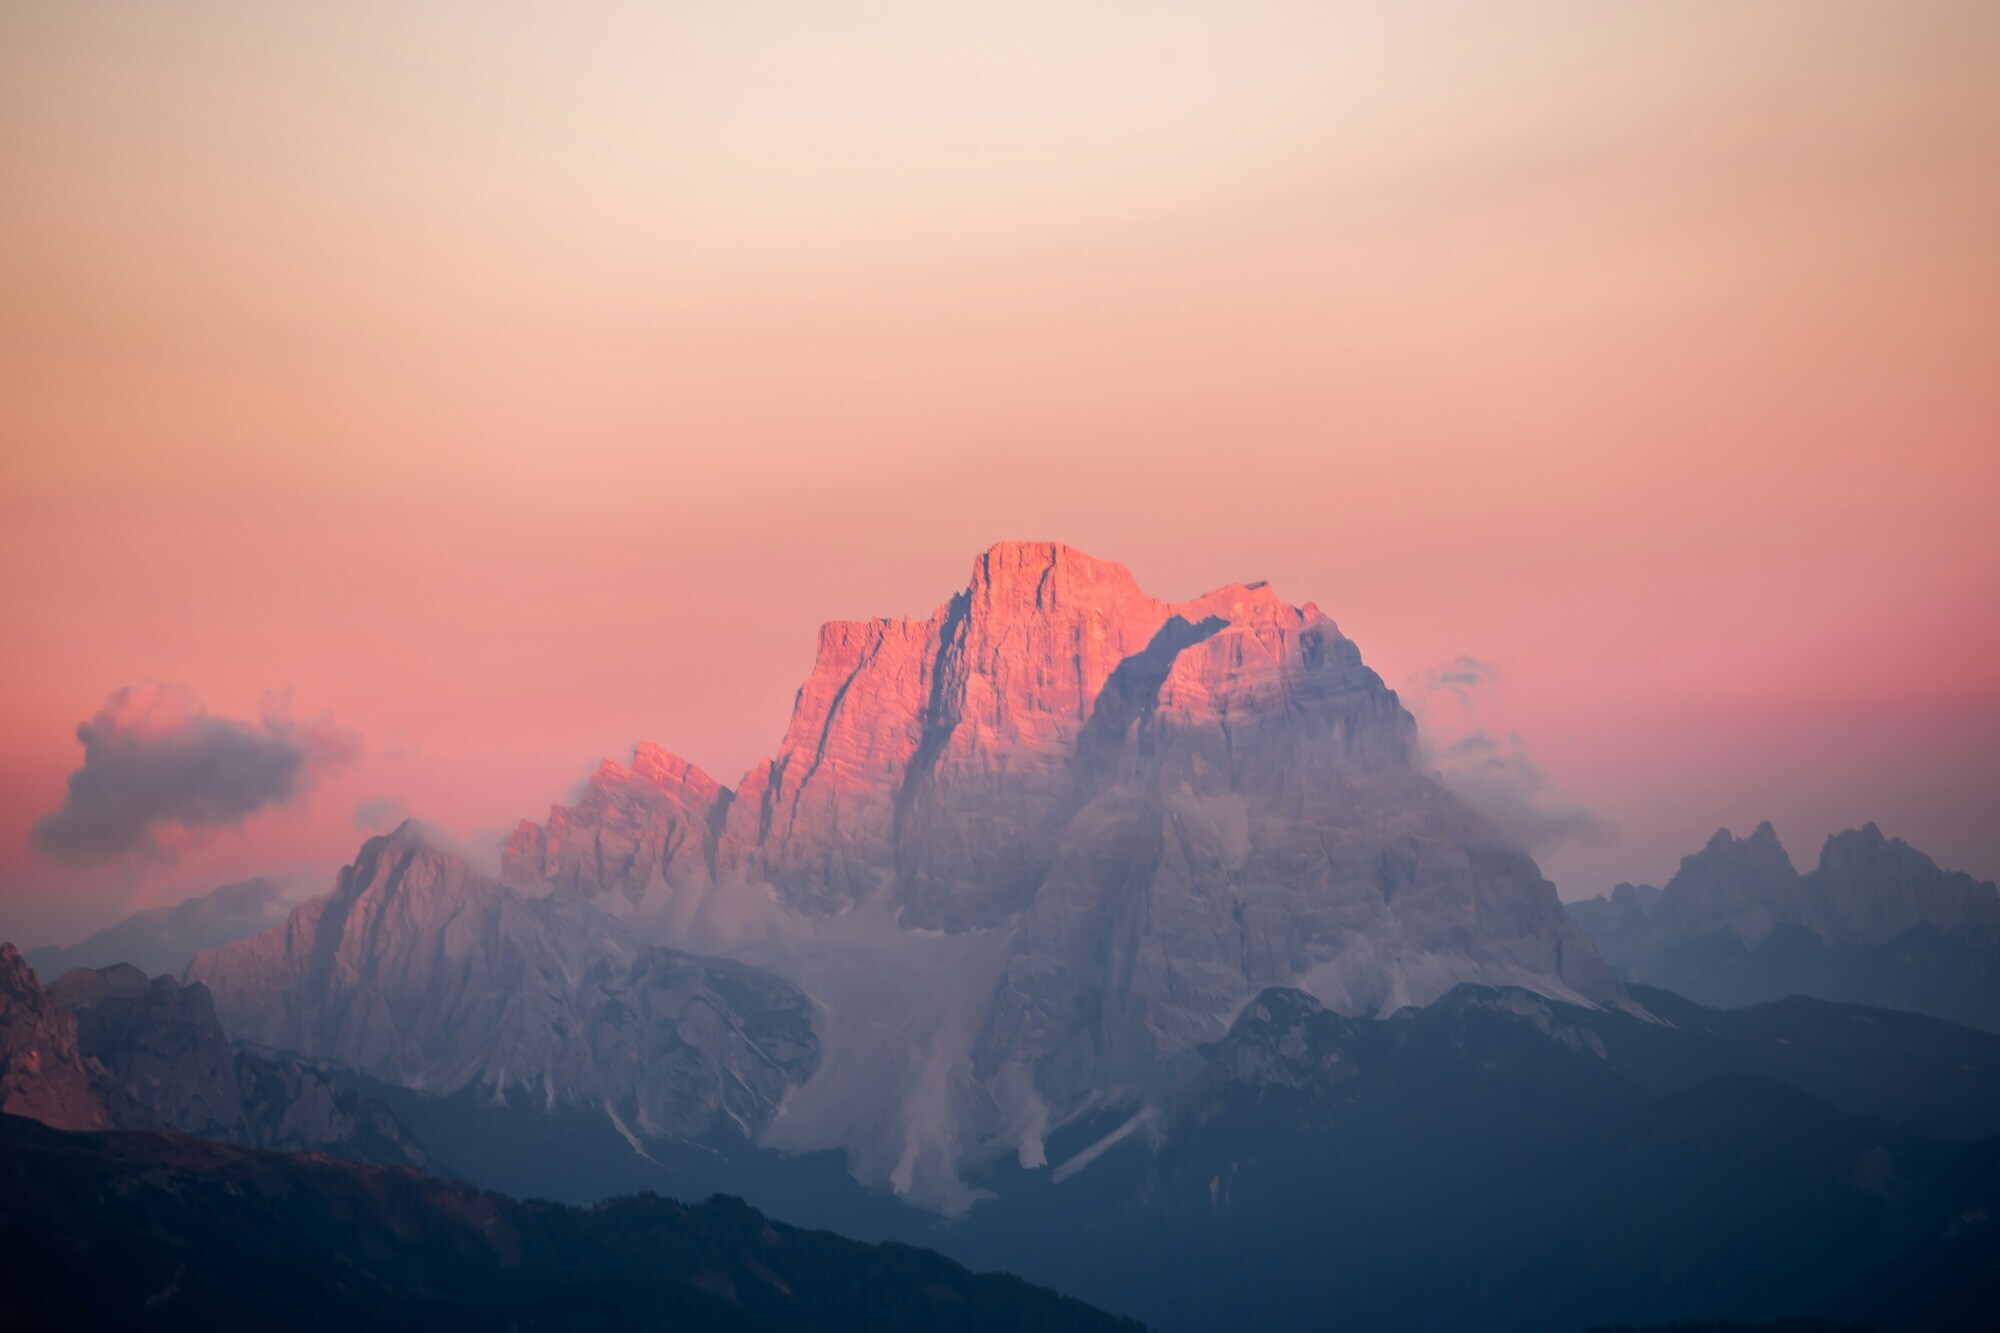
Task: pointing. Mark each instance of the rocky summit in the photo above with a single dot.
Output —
(110, 1049)
(1867, 889)
(419, 971)
(1875, 922)
(1024, 855)
(43, 1073)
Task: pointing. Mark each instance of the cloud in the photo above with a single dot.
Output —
(1498, 779)
(1465, 676)
(155, 762)
(378, 813)
(1502, 782)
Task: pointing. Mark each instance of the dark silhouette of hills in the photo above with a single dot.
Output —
(157, 1230)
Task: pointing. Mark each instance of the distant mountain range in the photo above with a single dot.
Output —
(1876, 922)
(165, 939)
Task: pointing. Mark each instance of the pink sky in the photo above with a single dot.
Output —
(510, 387)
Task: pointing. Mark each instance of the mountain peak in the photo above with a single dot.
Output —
(42, 1072)
(1037, 555)
(411, 833)
(1870, 842)
(1868, 889)
(1761, 847)
(1104, 821)
(1762, 838)
(89, 985)
(1047, 576)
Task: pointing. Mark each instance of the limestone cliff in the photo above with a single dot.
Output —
(1053, 836)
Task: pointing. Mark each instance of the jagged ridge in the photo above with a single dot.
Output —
(1130, 815)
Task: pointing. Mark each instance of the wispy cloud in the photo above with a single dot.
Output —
(1498, 778)
(378, 813)
(1465, 677)
(1502, 781)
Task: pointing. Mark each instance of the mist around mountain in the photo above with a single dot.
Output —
(1876, 922)
(1012, 858)
(165, 939)
(1121, 944)
(192, 1229)
(1496, 1159)
(1493, 1160)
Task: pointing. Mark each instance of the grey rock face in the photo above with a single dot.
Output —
(703, 1037)
(168, 1059)
(1031, 850)
(1871, 889)
(290, 1106)
(634, 831)
(421, 972)
(1743, 885)
(1259, 822)
(162, 1061)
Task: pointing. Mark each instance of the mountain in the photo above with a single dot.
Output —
(104, 1049)
(1503, 1161)
(1118, 942)
(1023, 855)
(1517, 1101)
(1496, 1159)
(1029, 852)
(163, 939)
(161, 1231)
(421, 972)
(1876, 922)
(166, 1063)
(43, 1075)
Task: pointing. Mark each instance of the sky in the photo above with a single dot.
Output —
(404, 406)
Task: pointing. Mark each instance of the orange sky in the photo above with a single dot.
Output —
(511, 384)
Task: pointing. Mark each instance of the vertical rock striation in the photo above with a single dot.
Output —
(1132, 814)
(419, 971)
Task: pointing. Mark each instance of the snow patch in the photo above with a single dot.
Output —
(1139, 1120)
(629, 1137)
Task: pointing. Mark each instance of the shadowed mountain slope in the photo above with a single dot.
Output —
(161, 1231)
